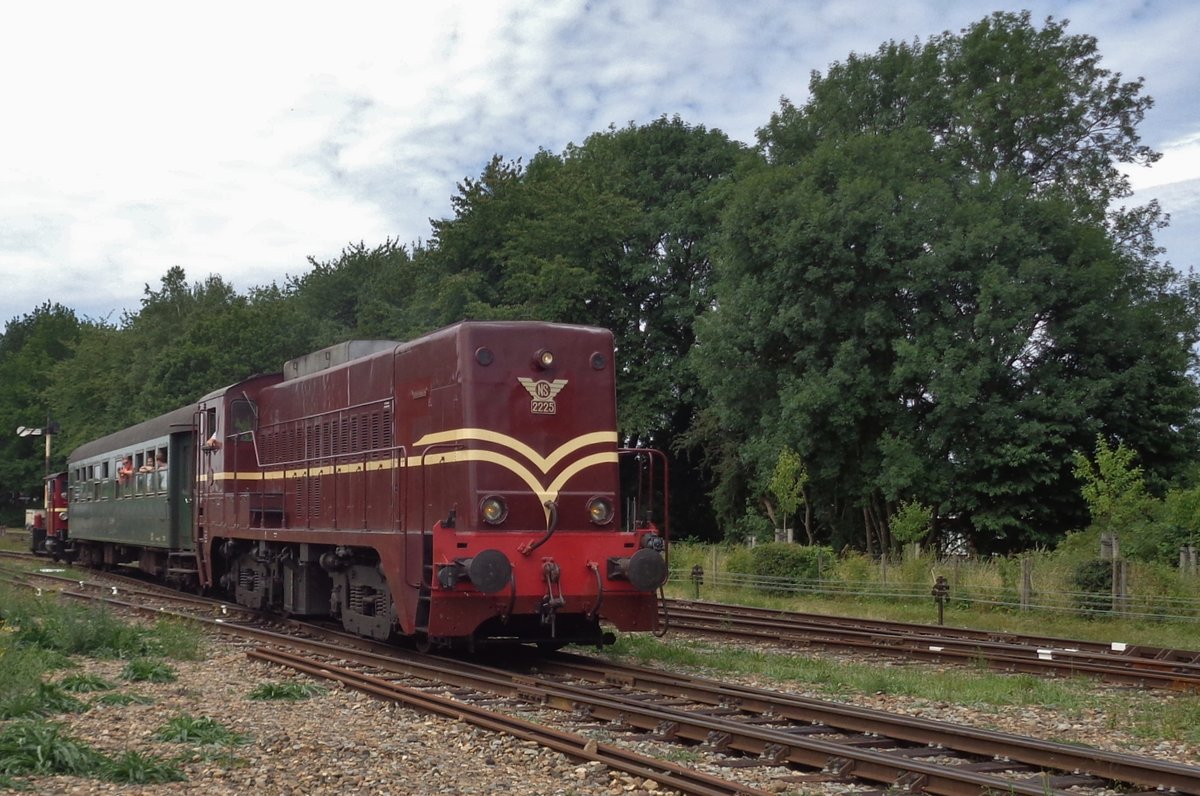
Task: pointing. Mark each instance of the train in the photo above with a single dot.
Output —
(462, 489)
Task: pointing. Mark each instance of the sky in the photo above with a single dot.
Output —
(241, 139)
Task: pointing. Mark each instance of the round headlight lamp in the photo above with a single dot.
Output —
(545, 358)
(600, 510)
(493, 509)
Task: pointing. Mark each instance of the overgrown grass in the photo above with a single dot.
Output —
(974, 578)
(39, 748)
(835, 678)
(39, 635)
(91, 630)
(292, 691)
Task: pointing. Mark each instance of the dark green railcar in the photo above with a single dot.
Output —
(131, 497)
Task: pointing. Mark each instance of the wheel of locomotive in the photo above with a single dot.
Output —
(423, 643)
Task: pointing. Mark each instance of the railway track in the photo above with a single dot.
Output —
(1133, 665)
(798, 740)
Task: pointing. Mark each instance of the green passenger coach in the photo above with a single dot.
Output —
(133, 490)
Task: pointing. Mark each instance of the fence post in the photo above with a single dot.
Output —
(1120, 586)
(1026, 582)
(713, 568)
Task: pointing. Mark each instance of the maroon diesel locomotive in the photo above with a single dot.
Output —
(462, 488)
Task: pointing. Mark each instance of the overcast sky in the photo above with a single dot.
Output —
(242, 138)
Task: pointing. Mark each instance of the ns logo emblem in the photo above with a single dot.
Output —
(542, 394)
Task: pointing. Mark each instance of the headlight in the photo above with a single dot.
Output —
(600, 510)
(545, 358)
(494, 510)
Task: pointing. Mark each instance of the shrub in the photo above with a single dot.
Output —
(854, 570)
(751, 525)
(740, 560)
(783, 560)
(780, 561)
(1092, 581)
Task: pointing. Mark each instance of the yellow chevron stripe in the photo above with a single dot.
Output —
(543, 463)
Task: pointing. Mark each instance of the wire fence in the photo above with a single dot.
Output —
(1163, 608)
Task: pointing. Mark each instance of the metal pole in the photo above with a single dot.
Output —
(46, 480)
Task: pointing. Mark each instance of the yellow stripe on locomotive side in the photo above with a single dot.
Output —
(533, 481)
(543, 463)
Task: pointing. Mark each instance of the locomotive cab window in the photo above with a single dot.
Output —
(243, 416)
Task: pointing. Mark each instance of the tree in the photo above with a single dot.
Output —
(30, 348)
(364, 293)
(1113, 486)
(787, 485)
(1003, 97)
(925, 292)
(614, 232)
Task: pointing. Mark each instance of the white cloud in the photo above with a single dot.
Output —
(241, 138)
(1180, 163)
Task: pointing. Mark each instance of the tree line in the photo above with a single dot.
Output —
(921, 287)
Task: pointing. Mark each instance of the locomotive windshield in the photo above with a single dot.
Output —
(243, 415)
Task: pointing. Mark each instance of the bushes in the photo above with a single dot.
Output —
(1093, 586)
(782, 561)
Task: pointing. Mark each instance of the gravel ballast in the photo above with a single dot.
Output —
(344, 742)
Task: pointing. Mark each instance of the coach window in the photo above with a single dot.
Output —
(160, 469)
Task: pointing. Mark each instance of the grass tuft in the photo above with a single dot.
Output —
(119, 699)
(293, 691)
(41, 700)
(80, 683)
(149, 671)
(38, 747)
(141, 768)
(198, 730)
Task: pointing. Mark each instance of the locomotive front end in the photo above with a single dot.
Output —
(524, 479)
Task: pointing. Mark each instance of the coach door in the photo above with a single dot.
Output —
(180, 474)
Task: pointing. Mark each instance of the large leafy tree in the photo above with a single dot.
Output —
(614, 232)
(364, 293)
(928, 293)
(30, 348)
(186, 339)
